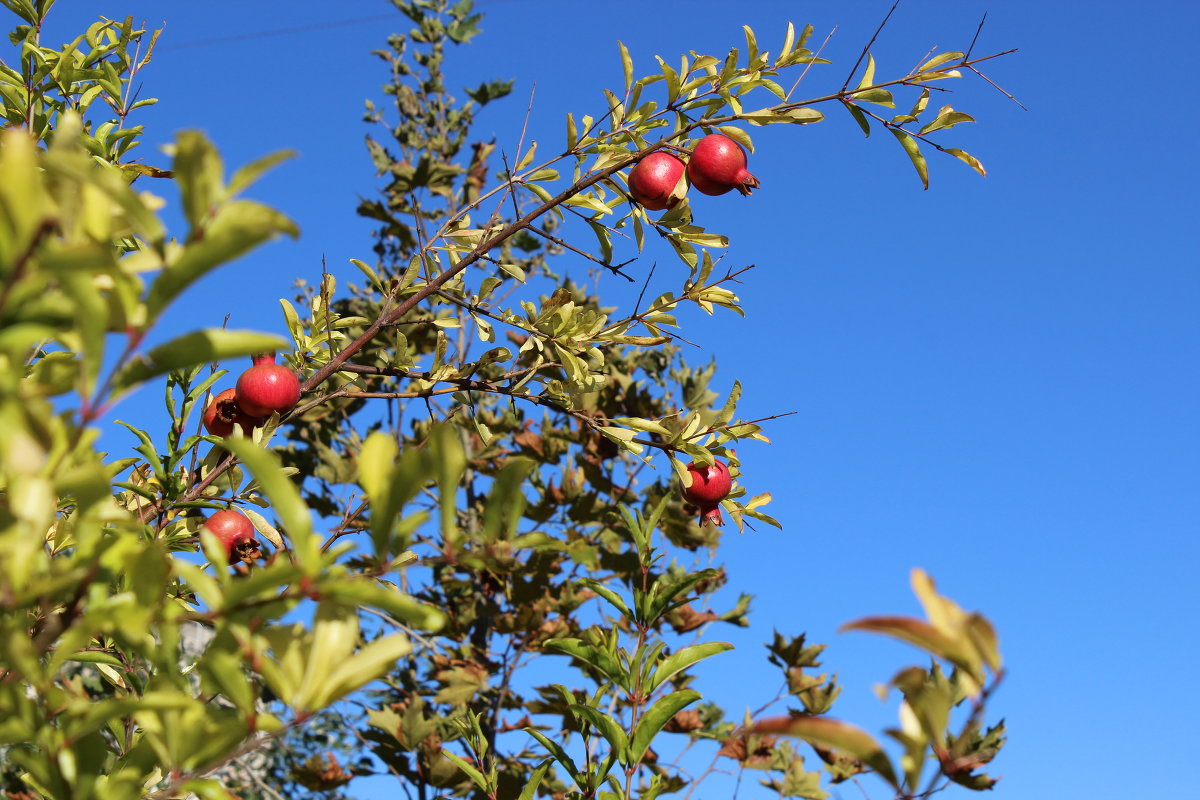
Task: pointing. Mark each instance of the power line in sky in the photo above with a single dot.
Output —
(316, 26)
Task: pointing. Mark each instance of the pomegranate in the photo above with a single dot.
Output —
(718, 164)
(267, 388)
(223, 412)
(653, 180)
(710, 485)
(236, 532)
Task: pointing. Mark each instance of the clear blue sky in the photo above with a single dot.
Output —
(996, 379)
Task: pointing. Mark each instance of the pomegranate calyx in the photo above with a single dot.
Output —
(717, 165)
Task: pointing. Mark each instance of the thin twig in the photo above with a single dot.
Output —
(867, 48)
(645, 285)
(613, 268)
(976, 37)
(808, 66)
(922, 60)
(525, 124)
(997, 86)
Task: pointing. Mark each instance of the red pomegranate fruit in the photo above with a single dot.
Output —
(267, 388)
(653, 180)
(717, 165)
(710, 485)
(235, 531)
(223, 412)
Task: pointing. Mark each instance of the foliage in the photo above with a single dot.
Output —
(467, 486)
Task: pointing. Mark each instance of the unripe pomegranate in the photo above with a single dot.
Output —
(223, 412)
(235, 531)
(710, 485)
(653, 180)
(267, 388)
(717, 165)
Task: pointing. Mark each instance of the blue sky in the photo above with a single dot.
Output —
(995, 379)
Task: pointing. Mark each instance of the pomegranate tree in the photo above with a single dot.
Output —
(717, 165)
(710, 484)
(654, 181)
(267, 388)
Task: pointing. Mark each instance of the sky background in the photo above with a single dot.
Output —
(994, 380)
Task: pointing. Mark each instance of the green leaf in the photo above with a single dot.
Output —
(920, 633)
(608, 727)
(603, 662)
(738, 135)
(238, 227)
(789, 42)
(247, 175)
(859, 117)
(200, 175)
(513, 271)
(626, 66)
(679, 661)
(834, 734)
(450, 463)
(608, 594)
(368, 593)
(475, 775)
(868, 76)
(23, 9)
(662, 597)
(803, 115)
(638, 424)
(376, 463)
(947, 117)
(983, 637)
(939, 59)
(285, 500)
(922, 102)
(655, 718)
(967, 159)
(603, 238)
(265, 528)
(560, 756)
(727, 412)
(914, 152)
(672, 78)
(197, 347)
(880, 97)
(506, 500)
(371, 662)
(534, 780)
(751, 46)
(226, 670)
(367, 270)
(147, 449)
(572, 132)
